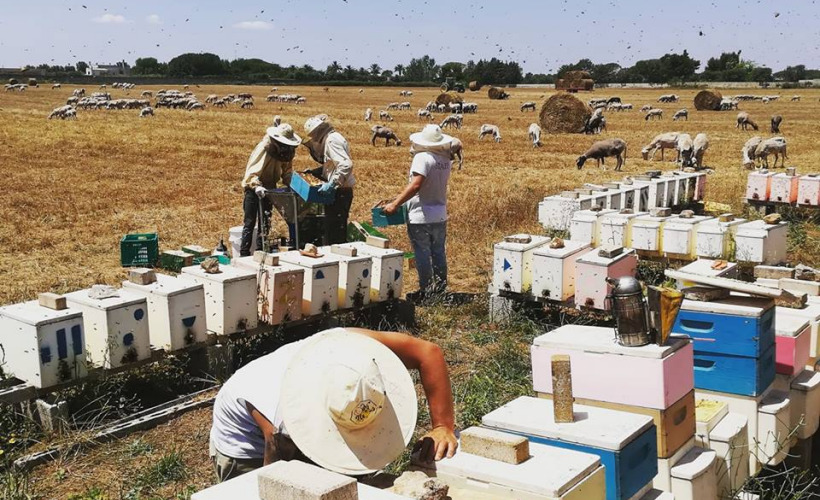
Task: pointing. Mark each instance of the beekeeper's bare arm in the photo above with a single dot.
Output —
(338, 151)
(409, 192)
(428, 359)
(277, 447)
(256, 163)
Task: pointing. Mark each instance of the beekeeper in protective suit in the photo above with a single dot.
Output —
(270, 163)
(330, 150)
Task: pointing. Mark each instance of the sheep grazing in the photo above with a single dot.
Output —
(149, 111)
(277, 120)
(441, 108)
(405, 93)
(431, 106)
(604, 149)
(668, 98)
(455, 108)
(665, 141)
(744, 121)
(247, 104)
(386, 133)
(645, 108)
(528, 106)
(748, 151)
(776, 121)
(213, 98)
(595, 124)
(456, 151)
(78, 93)
(534, 133)
(492, 130)
(451, 121)
(795, 98)
(775, 146)
(63, 113)
(423, 113)
(368, 114)
(404, 105)
(195, 105)
(654, 113)
(384, 115)
(393, 105)
(681, 114)
(701, 144)
(686, 148)
(56, 86)
(727, 104)
(469, 107)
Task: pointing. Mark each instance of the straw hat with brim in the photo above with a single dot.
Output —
(348, 403)
(430, 135)
(284, 133)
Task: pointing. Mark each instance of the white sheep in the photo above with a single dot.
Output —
(456, 151)
(681, 114)
(368, 114)
(686, 148)
(423, 113)
(795, 98)
(701, 144)
(654, 113)
(56, 86)
(775, 146)
(528, 106)
(451, 121)
(144, 112)
(602, 150)
(748, 151)
(488, 129)
(534, 133)
(384, 115)
(664, 141)
(744, 121)
(277, 120)
(645, 108)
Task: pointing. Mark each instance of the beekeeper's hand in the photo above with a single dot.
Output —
(327, 187)
(390, 208)
(261, 191)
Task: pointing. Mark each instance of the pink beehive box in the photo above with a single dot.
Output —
(808, 190)
(792, 344)
(759, 185)
(784, 188)
(651, 376)
(591, 271)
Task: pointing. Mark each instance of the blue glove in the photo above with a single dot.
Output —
(327, 188)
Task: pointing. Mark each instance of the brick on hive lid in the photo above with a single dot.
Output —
(612, 185)
(772, 219)
(375, 241)
(805, 273)
(343, 250)
(142, 276)
(259, 256)
(773, 272)
(626, 211)
(295, 480)
(518, 238)
(271, 259)
(705, 293)
(569, 194)
(610, 251)
(729, 217)
(660, 212)
(52, 301)
(583, 191)
(495, 445)
(653, 173)
(791, 171)
(687, 214)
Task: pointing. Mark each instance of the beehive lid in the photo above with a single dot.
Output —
(755, 228)
(596, 260)
(703, 267)
(226, 274)
(694, 464)
(649, 221)
(32, 313)
(620, 218)
(124, 298)
(735, 305)
(789, 326)
(535, 242)
(677, 220)
(597, 339)
(596, 427)
(371, 251)
(729, 427)
(809, 311)
(774, 402)
(343, 258)
(709, 410)
(550, 471)
(249, 263)
(165, 286)
(570, 248)
(294, 257)
(714, 226)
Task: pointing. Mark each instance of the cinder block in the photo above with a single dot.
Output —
(271, 260)
(342, 250)
(562, 388)
(296, 480)
(773, 272)
(142, 276)
(495, 445)
(610, 251)
(52, 301)
(377, 242)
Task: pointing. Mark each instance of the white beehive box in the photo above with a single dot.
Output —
(279, 290)
(700, 186)
(705, 267)
(553, 275)
(321, 292)
(761, 243)
(116, 328)
(773, 431)
(42, 347)
(230, 298)
(387, 278)
(614, 198)
(716, 239)
(673, 189)
(730, 441)
(616, 228)
(586, 225)
(513, 263)
(176, 311)
(354, 278)
(647, 234)
(591, 271)
(784, 188)
(759, 185)
(808, 190)
(555, 212)
(654, 194)
(679, 235)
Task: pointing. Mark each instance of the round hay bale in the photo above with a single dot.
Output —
(494, 93)
(588, 84)
(708, 100)
(13, 81)
(447, 97)
(474, 86)
(564, 113)
(32, 82)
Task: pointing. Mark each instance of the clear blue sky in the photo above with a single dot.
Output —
(540, 34)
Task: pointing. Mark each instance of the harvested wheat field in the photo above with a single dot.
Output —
(73, 188)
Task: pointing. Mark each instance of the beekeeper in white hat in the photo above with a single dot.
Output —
(426, 199)
(270, 163)
(342, 399)
(331, 151)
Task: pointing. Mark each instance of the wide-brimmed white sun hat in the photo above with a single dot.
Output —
(430, 135)
(284, 133)
(313, 122)
(348, 402)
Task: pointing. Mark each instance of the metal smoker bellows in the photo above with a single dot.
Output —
(630, 309)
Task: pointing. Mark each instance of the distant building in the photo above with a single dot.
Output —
(119, 69)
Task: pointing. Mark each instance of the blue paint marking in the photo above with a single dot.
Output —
(397, 275)
(128, 339)
(366, 273)
(320, 275)
(139, 314)
(189, 321)
(507, 265)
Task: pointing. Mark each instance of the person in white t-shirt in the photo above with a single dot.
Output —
(426, 199)
(342, 399)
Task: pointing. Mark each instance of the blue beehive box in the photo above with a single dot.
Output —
(380, 219)
(741, 375)
(625, 442)
(737, 326)
(307, 191)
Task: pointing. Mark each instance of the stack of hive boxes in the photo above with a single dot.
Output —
(785, 187)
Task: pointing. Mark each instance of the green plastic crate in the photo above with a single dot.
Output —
(175, 260)
(139, 250)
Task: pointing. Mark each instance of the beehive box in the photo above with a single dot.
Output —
(716, 240)
(663, 481)
(307, 185)
(116, 328)
(554, 270)
(616, 228)
(680, 234)
(808, 190)
(647, 234)
(635, 197)
(730, 442)
(279, 290)
(655, 191)
(784, 188)
(354, 278)
(706, 267)
(585, 225)
(230, 298)
(730, 374)
(773, 418)
(387, 277)
(708, 414)
(549, 473)
(792, 341)
(513, 263)
(761, 243)
(176, 311)
(591, 271)
(810, 312)
(804, 395)
(624, 442)
(43, 347)
(321, 292)
(555, 212)
(693, 478)
(759, 185)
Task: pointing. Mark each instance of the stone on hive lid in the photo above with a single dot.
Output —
(660, 212)
(142, 276)
(52, 301)
(296, 480)
(418, 485)
(610, 251)
(495, 445)
(772, 219)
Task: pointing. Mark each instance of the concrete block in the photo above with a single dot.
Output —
(53, 417)
(495, 445)
(726, 217)
(501, 309)
(805, 273)
(296, 480)
(705, 293)
(418, 485)
(523, 239)
(569, 194)
(259, 256)
(773, 272)
(610, 251)
(343, 250)
(271, 260)
(142, 276)
(800, 286)
(375, 241)
(562, 389)
(52, 301)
